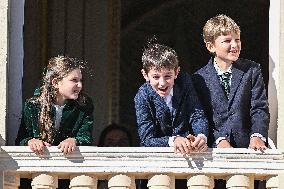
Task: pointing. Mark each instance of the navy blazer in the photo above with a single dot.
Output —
(245, 112)
(155, 121)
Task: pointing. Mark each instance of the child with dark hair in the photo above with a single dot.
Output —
(115, 135)
(167, 108)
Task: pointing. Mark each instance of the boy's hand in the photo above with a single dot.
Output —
(198, 143)
(257, 144)
(182, 145)
(37, 145)
(224, 144)
(67, 146)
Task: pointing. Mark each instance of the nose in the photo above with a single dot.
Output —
(234, 43)
(162, 81)
(80, 84)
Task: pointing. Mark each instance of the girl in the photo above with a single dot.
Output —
(58, 113)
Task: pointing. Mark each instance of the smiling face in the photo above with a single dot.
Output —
(226, 48)
(162, 81)
(69, 87)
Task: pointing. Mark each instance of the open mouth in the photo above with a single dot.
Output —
(76, 91)
(163, 89)
(234, 51)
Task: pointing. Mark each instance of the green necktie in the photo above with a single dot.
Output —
(225, 82)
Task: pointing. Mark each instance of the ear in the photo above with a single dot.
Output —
(210, 47)
(177, 72)
(54, 82)
(144, 75)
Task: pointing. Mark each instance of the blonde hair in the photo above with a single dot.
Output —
(219, 25)
(58, 68)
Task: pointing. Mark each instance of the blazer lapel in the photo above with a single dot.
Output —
(177, 97)
(237, 75)
(214, 84)
(163, 113)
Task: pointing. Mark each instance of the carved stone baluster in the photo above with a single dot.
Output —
(200, 182)
(239, 182)
(83, 182)
(44, 181)
(11, 180)
(160, 182)
(120, 182)
(272, 183)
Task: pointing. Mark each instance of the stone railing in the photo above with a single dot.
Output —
(121, 166)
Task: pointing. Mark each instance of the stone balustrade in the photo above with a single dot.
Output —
(122, 165)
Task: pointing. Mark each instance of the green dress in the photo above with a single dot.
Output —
(76, 122)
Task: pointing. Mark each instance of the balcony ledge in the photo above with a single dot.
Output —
(139, 161)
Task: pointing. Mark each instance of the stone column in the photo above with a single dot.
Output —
(83, 182)
(11, 180)
(272, 183)
(4, 13)
(44, 181)
(159, 182)
(239, 182)
(200, 182)
(120, 182)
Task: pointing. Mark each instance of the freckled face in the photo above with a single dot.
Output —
(162, 81)
(69, 87)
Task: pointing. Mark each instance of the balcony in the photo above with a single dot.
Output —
(122, 165)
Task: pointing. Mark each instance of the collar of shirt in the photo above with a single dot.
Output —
(58, 115)
(168, 99)
(218, 69)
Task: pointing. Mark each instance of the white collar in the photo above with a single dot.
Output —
(218, 69)
(168, 98)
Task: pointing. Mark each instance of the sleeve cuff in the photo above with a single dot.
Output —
(259, 136)
(219, 140)
(203, 136)
(171, 141)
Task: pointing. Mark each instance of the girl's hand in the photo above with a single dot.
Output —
(198, 143)
(182, 145)
(67, 146)
(37, 145)
(257, 144)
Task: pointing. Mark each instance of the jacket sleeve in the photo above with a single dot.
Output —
(84, 134)
(147, 128)
(259, 111)
(197, 118)
(27, 130)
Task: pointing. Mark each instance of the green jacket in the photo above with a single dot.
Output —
(76, 122)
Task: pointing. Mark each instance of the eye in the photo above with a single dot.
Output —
(156, 77)
(168, 76)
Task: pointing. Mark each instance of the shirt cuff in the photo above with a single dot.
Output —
(219, 140)
(259, 136)
(171, 141)
(203, 136)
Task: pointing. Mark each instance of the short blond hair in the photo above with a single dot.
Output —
(219, 25)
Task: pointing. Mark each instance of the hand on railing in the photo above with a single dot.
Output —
(189, 144)
(257, 143)
(67, 146)
(37, 145)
